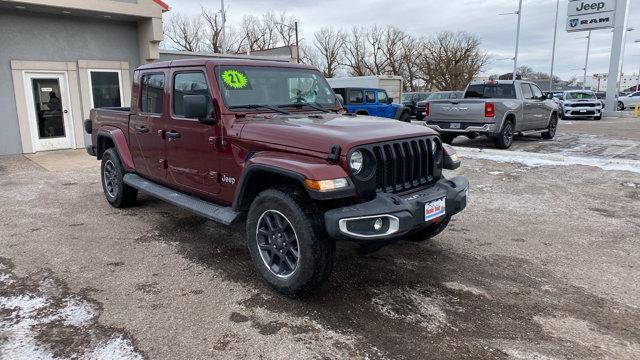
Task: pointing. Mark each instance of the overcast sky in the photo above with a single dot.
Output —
(426, 17)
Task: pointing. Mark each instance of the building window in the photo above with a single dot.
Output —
(106, 88)
(152, 98)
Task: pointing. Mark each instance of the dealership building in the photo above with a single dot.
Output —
(60, 58)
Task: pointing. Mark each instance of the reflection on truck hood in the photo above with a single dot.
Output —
(320, 132)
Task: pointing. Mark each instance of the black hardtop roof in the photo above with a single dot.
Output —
(227, 61)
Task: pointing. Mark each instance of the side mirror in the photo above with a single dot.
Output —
(195, 106)
(389, 100)
(548, 96)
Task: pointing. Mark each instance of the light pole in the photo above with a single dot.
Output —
(586, 61)
(224, 20)
(553, 52)
(638, 86)
(624, 46)
(515, 58)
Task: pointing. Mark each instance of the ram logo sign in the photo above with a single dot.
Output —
(583, 15)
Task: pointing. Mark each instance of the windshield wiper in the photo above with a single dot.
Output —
(257, 106)
(300, 104)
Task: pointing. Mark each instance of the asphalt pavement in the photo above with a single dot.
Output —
(543, 264)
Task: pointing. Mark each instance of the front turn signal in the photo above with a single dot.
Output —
(451, 158)
(326, 185)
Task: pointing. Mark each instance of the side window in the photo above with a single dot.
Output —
(382, 97)
(526, 91)
(537, 93)
(371, 97)
(635, 94)
(355, 97)
(189, 83)
(152, 97)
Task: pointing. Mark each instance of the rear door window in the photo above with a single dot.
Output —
(152, 95)
(370, 96)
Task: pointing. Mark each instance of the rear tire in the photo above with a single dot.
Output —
(551, 129)
(419, 117)
(620, 106)
(505, 138)
(429, 232)
(287, 243)
(117, 193)
(405, 117)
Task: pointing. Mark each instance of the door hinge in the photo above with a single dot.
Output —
(162, 164)
(213, 175)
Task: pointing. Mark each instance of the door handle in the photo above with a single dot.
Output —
(172, 134)
(142, 129)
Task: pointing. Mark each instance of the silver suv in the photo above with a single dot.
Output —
(580, 104)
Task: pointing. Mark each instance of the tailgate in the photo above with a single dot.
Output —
(456, 110)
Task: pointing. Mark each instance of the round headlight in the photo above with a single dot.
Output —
(356, 162)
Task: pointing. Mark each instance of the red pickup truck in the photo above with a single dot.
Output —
(269, 143)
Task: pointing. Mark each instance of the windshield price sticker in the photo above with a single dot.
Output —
(235, 79)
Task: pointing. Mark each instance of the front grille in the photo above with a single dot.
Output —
(403, 165)
(584, 105)
(583, 113)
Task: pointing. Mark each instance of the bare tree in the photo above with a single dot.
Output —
(184, 32)
(213, 21)
(330, 43)
(452, 59)
(391, 49)
(376, 62)
(310, 56)
(286, 28)
(410, 48)
(356, 52)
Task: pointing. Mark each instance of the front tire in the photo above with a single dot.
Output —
(620, 106)
(429, 232)
(287, 242)
(505, 138)
(551, 129)
(405, 117)
(419, 116)
(117, 193)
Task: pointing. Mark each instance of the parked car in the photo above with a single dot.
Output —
(440, 95)
(580, 104)
(629, 101)
(373, 102)
(391, 83)
(411, 99)
(268, 142)
(496, 109)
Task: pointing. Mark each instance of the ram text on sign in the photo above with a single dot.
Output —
(591, 22)
(584, 7)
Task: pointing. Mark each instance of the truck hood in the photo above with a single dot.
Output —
(320, 132)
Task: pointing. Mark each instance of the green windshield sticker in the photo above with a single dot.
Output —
(235, 79)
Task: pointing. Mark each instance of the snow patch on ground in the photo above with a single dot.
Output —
(525, 355)
(115, 348)
(419, 307)
(631, 185)
(537, 159)
(467, 288)
(6, 279)
(77, 312)
(496, 172)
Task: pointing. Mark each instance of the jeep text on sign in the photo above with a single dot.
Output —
(585, 7)
(591, 22)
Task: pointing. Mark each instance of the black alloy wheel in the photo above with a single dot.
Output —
(110, 178)
(278, 243)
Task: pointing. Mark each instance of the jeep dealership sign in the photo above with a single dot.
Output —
(590, 15)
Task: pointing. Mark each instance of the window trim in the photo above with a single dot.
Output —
(142, 75)
(119, 72)
(173, 82)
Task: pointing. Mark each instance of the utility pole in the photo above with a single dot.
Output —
(515, 58)
(222, 32)
(586, 61)
(553, 52)
(624, 46)
(297, 43)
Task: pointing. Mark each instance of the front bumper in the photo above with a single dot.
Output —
(398, 214)
(581, 112)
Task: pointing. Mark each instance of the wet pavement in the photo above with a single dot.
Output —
(543, 264)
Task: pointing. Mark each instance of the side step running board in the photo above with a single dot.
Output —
(221, 214)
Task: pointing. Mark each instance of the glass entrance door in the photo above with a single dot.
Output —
(50, 119)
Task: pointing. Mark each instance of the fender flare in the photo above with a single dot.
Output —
(504, 120)
(295, 167)
(120, 143)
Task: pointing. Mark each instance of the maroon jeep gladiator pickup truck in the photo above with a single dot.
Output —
(269, 143)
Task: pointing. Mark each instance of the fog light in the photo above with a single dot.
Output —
(377, 225)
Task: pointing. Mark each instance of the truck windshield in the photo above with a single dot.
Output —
(490, 91)
(261, 87)
(579, 96)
